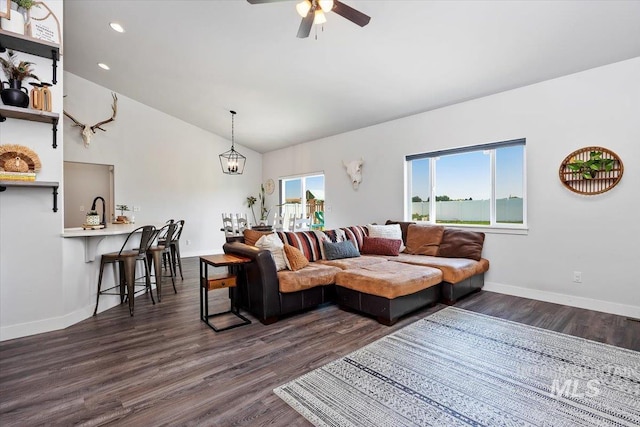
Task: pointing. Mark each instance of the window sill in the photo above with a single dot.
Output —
(522, 230)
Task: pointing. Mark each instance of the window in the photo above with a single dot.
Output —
(303, 196)
(482, 185)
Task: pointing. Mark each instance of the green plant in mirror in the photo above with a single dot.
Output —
(588, 169)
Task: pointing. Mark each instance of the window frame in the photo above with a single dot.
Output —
(433, 156)
(303, 186)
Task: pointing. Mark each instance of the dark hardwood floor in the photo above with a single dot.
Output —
(165, 367)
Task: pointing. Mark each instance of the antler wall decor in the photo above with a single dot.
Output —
(88, 131)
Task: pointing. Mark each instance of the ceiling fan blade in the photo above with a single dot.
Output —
(305, 26)
(264, 1)
(350, 13)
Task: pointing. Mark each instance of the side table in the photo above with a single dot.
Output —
(207, 283)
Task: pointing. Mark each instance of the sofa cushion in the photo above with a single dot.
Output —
(348, 263)
(391, 231)
(311, 276)
(454, 270)
(461, 244)
(252, 236)
(381, 246)
(389, 279)
(424, 239)
(339, 250)
(294, 259)
(273, 244)
(355, 233)
(307, 242)
(404, 227)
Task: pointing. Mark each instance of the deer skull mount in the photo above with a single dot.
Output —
(88, 131)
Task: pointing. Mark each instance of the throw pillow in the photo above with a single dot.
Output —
(306, 241)
(252, 236)
(391, 231)
(424, 239)
(294, 258)
(404, 227)
(381, 246)
(339, 250)
(461, 244)
(272, 243)
(355, 233)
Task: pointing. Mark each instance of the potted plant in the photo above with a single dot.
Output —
(92, 218)
(122, 217)
(588, 169)
(16, 72)
(264, 212)
(17, 19)
(250, 202)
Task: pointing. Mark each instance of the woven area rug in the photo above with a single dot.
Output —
(459, 368)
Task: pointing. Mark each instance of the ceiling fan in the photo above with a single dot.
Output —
(312, 12)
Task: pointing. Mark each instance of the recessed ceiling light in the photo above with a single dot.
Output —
(103, 66)
(116, 27)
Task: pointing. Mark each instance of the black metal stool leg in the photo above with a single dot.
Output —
(177, 251)
(95, 311)
(147, 274)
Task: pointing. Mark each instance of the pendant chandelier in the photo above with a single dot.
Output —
(231, 161)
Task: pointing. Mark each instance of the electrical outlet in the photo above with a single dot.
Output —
(136, 208)
(81, 208)
(577, 276)
(188, 242)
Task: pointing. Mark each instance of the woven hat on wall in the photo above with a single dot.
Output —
(18, 158)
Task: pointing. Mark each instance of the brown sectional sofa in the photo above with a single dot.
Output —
(384, 286)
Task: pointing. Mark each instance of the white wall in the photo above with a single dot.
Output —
(30, 243)
(164, 165)
(168, 168)
(596, 235)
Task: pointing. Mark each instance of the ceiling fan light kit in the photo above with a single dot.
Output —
(313, 12)
(303, 8)
(319, 17)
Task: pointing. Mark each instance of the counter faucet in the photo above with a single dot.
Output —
(93, 208)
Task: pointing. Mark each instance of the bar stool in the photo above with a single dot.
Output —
(126, 260)
(156, 253)
(174, 243)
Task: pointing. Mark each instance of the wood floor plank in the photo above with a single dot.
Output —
(165, 367)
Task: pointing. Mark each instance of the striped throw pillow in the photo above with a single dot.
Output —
(307, 242)
(356, 234)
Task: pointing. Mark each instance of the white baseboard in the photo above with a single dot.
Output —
(56, 323)
(573, 301)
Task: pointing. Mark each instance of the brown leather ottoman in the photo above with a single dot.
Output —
(388, 290)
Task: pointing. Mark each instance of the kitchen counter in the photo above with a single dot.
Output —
(93, 237)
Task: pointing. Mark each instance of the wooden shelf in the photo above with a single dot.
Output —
(34, 184)
(27, 44)
(591, 179)
(28, 114)
(8, 111)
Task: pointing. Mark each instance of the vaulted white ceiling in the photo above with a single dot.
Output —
(196, 60)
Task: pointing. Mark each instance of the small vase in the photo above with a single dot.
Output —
(92, 220)
(16, 22)
(15, 95)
